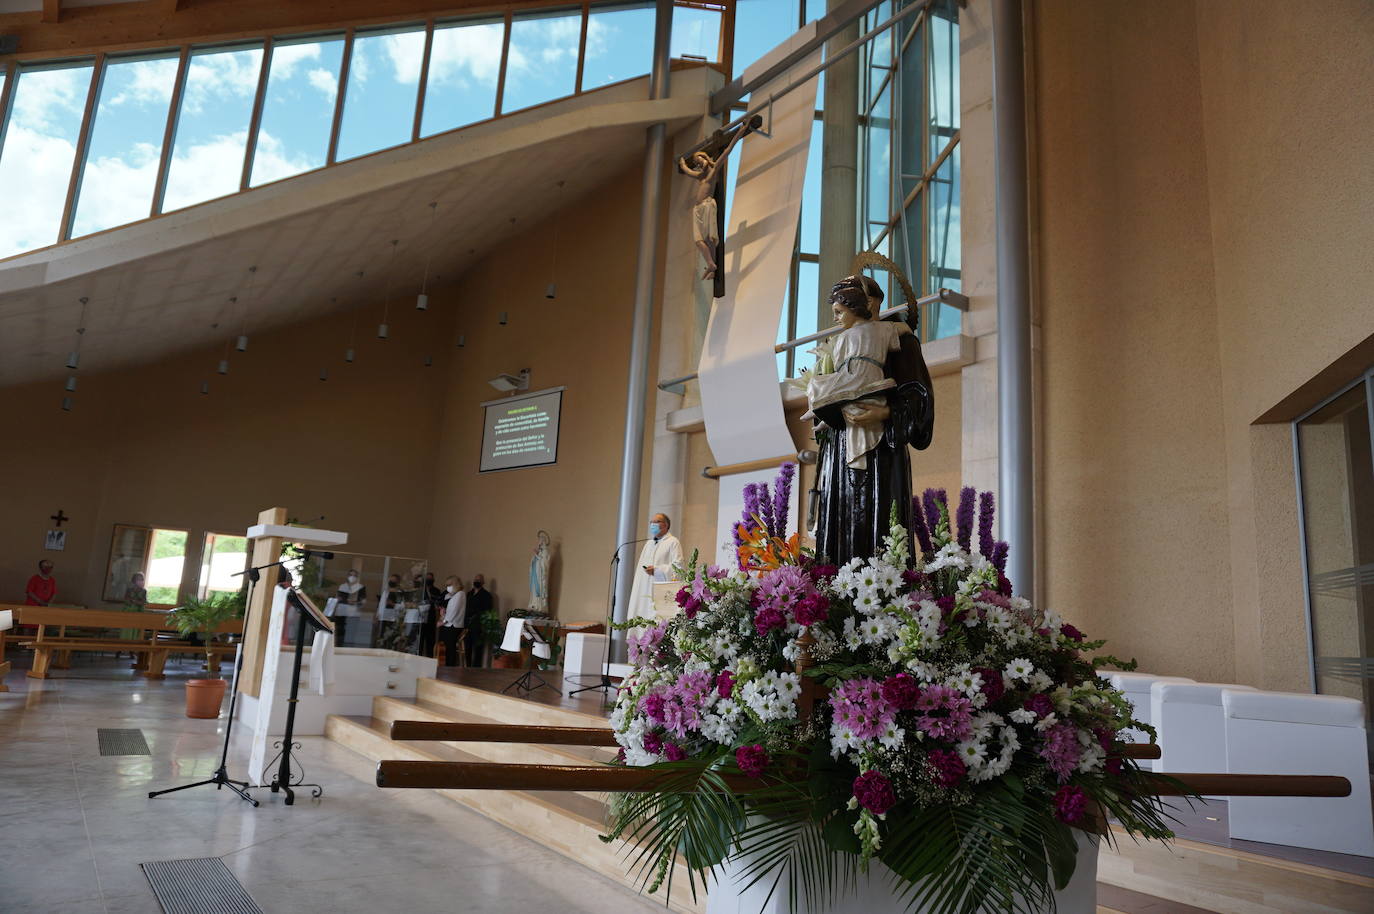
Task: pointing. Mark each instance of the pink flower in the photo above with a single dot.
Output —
(752, 760)
(1070, 632)
(689, 603)
(1040, 705)
(725, 683)
(946, 713)
(1061, 749)
(812, 609)
(859, 705)
(822, 573)
(769, 618)
(651, 705)
(644, 643)
(716, 572)
(993, 686)
(1070, 803)
(874, 792)
(1115, 765)
(949, 768)
(901, 691)
(674, 752)
(653, 743)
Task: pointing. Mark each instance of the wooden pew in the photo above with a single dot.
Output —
(47, 648)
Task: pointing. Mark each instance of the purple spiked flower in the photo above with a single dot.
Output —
(999, 556)
(933, 498)
(918, 526)
(986, 510)
(766, 508)
(964, 519)
(782, 494)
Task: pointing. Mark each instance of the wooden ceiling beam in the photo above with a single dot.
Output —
(167, 23)
(52, 11)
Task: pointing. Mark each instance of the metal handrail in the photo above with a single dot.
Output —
(944, 296)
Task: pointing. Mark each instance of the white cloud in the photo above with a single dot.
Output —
(286, 58)
(406, 52)
(205, 171)
(325, 81)
(271, 161)
(150, 82)
(468, 53)
(48, 99)
(213, 77)
(34, 174)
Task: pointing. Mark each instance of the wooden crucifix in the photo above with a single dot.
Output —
(59, 517)
(705, 163)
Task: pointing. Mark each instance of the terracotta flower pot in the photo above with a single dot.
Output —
(506, 662)
(203, 697)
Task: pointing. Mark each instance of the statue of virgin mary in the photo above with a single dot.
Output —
(871, 399)
(539, 575)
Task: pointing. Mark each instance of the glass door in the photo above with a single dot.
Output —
(1335, 466)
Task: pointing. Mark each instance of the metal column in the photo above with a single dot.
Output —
(1014, 417)
(650, 215)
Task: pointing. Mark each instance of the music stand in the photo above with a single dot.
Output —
(309, 617)
(221, 776)
(515, 634)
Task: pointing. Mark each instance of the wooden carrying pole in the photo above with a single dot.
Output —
(576, 736)
(613, 779)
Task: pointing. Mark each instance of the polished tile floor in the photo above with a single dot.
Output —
(76, 825)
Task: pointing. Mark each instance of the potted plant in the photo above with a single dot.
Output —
(202, 617)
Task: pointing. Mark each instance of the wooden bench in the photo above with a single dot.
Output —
(49, 651)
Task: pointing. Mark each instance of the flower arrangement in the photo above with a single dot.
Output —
(904, 708)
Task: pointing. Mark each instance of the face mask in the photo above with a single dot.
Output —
(655, 530)
(451, 588)
(352, 578)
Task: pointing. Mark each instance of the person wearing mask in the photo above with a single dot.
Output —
(349, 604)
(432, 601)
(42, 587)
(656, 561)
(388, 610)
(479, 607)
(136, 594)
(455, 604)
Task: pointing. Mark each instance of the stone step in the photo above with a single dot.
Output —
(386, 709)
(568, 823)
(506, 709)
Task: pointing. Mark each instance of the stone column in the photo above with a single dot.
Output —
(839, 168)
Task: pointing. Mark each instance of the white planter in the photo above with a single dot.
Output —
(873, 894)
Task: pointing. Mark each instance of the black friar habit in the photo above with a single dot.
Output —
(854, 506)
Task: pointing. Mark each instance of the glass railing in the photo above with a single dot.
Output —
(93, 143)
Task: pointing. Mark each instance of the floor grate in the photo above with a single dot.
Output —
(200, 886)
(122, 742)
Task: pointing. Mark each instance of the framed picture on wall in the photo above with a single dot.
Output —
(55, 541)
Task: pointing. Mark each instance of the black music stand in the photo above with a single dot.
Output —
(313, 619)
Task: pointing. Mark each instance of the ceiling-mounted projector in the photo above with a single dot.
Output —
(512, 382)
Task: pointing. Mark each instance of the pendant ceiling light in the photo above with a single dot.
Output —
(242, 343)
(205, 387)
(552, 290)
(70, 386)
(383, 330)
(74, 357)
(353, 329)
(422, 300)
(67, 403)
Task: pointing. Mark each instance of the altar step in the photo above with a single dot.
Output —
(1228, 880)
(1192, 875)
(569, 823)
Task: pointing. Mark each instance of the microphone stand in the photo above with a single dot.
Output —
(221, 777)
(605, 685)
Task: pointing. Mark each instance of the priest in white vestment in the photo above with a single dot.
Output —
(656, 561)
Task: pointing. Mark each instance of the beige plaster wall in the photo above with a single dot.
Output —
(488, 522)
(1287, 133)
(144, 446)
(1202, 178)
(1133, 500)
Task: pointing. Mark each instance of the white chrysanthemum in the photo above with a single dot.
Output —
(852, 639)
(973, 753)
(925, 673)
(788, 685)
(868, 600)
(1093, 757)
(1040, 681)
(892, 736)
(1022, 716)
(1020, 604)
(928, 618)
(984, 723)
(1020, 668)
(996, 618)
(877, 629)
(1049, 720)
(965, 680)
(842, 740)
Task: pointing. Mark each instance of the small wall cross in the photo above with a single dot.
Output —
(59, 517)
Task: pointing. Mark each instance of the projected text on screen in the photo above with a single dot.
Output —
(521, 432)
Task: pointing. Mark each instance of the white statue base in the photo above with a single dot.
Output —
(873, 893)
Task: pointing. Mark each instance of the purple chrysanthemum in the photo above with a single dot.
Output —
(986, 511)
(963, 521)
(1070, 803)
(874, 792)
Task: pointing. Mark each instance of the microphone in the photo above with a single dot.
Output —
(615, 557)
